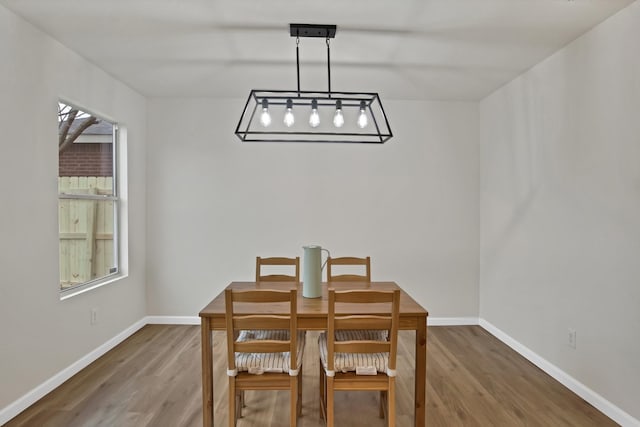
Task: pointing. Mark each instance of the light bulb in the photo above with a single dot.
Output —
(338, 118)
(265, 117)
(289, 119)
(314, 118)
(363, 121)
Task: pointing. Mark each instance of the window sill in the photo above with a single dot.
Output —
(77, 290)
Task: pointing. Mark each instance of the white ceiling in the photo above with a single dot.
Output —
(404, 49)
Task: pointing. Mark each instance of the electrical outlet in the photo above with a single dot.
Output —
(94, 316)
(572, 338)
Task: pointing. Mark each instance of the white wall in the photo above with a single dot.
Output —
(215, 204)
(560, 209)
(39, 334)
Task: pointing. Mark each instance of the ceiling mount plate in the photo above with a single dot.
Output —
(312, 30)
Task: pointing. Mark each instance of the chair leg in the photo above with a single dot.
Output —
(329, 402)
(293, 392)
(232, 402)
(383, 401)
(323, 393)
(391, 402)
(240, 402)
(300, 392)
(238, 405)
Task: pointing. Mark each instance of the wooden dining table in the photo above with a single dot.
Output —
(312, 316)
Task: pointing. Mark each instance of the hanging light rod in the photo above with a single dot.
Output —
(323, 116)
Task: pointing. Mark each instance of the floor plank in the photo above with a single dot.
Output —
(152, 379)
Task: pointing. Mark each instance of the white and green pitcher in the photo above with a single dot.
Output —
(312, 266)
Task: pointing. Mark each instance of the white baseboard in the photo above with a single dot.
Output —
(46, 387)
(599, 402)
(451, 321)
(172, 320)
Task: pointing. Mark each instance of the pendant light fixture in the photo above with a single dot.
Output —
(313, 116)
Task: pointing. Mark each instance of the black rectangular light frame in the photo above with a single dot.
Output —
(344, 117)
(378, 131)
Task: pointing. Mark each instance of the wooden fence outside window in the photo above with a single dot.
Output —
(86, 230)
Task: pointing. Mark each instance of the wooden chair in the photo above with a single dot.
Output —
(277, 277)
(348, 261)
(262, 277)
(267, 344)
(366, 277)
(340, 360)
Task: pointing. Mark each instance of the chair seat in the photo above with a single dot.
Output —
(361, 334)
(348, 362)
(259, 363)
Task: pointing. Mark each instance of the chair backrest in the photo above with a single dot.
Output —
(385, 317)
(278, 261)
(257, 312)
(348, 261)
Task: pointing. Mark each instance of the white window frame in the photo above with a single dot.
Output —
(116, 272)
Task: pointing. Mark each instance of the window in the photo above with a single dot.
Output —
(87, 199)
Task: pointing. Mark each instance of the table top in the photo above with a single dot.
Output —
(313, 307)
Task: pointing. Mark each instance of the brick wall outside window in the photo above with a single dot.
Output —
(92, 159)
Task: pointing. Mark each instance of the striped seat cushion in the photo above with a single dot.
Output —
(361, 334)
(348, 362)
(258, 363)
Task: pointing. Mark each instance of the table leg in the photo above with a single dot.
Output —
(421, 373)
(207, 374)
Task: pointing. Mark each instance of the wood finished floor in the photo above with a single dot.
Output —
(152, 379)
